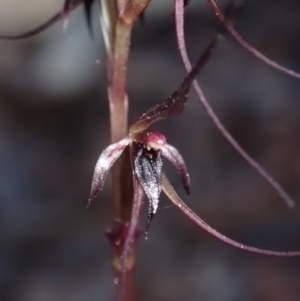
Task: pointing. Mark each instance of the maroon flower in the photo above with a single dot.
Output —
(147, 147)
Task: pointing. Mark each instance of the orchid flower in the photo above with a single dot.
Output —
(107, 17)
(147, 149)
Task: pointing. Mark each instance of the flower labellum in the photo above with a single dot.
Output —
(147, 148)
(147, 166)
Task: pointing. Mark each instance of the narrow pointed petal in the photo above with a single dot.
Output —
(174, 104)
(176, 200)
(147, 167)
(246, 45)
(171, 106)
(130, 238)
(59, 16)
(104, 163)
(173, 155)
(179, 14)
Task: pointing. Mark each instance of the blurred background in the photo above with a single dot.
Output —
(54, 124)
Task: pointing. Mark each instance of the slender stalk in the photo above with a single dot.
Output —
(122, 189)
(123, 261)
(118, 101)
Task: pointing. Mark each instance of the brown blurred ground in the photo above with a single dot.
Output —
(54, 123)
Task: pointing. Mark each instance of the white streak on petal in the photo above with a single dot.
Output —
(107, 158)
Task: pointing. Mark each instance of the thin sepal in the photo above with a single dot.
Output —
(174, 104)
(176, 200)
(171, 106)
(215, 7)
(179, 16)
(173, 155)
(107, 158)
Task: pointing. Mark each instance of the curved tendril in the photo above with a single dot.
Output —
(179, 15)
(59, 16)
(131, 235)
(246, 45)
(172, 195)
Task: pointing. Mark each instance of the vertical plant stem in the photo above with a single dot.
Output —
(121, 16)
(118, 101)
(121, 172)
